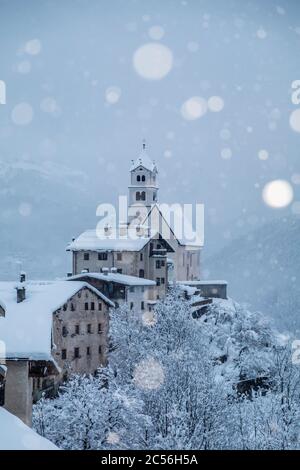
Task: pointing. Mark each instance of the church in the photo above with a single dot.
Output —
(159, 250)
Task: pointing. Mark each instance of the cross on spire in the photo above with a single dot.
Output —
(144, 144)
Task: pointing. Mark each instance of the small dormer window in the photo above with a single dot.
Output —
(143, 178)
(138, 178)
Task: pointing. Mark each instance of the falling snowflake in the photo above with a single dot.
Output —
(278, 194)
(194, 108)
(153, 61)
(149, 374)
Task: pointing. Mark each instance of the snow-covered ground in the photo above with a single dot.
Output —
(15, 435)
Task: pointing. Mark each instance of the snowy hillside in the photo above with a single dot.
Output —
(263, 269)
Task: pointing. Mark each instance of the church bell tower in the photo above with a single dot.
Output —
(143, 186)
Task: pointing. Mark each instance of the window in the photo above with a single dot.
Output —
(100, 349)
(86, 306)
(162, 280)
(158, 281)
(137, 196)
(64, 331)
(77, 330)
(64, 354)
(119, 256)
(143, 178)
(86, 256)
(99, 306)
(141, 273)
(119, 270)
(142, 305)
(131, 305)
(100, 329)
(76, 353)
(138, 178)
(131, 289)
(92, 305)
(143, 196)
(102, 256)
(89, 328)
(162, 263)
(88, 351)
(158, 264)
(141, 256)
(72, 308)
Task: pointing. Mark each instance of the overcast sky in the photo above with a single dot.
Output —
(83, 91)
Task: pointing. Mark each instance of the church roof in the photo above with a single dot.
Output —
(144, 161)
(186, 227)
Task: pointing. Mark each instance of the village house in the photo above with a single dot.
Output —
(138, 293)
(144, 256)
(50, 330)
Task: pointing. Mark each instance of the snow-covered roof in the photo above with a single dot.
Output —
(15, 435)
(203, 283)
(115, 277)
(89, 240)
(144, 161)
(26, 327)
(186, 226)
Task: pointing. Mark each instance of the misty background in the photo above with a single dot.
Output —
(77, 109)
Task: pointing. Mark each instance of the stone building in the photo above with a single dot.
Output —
(144, 256)
(49, 330)
(138, 293)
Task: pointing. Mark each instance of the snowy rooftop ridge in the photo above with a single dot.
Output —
(26, 327)
(124, 279)
(15, 435)
(144, 161)
(90, 240)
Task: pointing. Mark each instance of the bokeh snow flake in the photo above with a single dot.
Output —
(295, 178)
(112, 94)
(25, 209)
(295, 120)
(22, 114)
(263, 154)
(225, 134)
(33, 47)
(148, 318)
(24, 67)
(156, 33)
(49, 105)
(193, 46)
(226, 153)
(278, 194)
(149, 374)
(168, 153)
(113, 438)
(215, 104)
(153, 61)
(261, 33)
(194, 108)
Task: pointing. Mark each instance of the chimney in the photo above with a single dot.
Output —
(113, 270)
(105, 271)
(21, 290)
